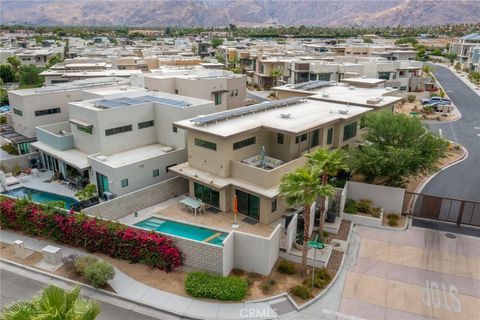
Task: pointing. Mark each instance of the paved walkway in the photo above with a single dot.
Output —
(416, 274)
(129, 288)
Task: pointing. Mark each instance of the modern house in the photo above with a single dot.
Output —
(463, 48)
(120, 138)
(226, 89)
(244, 152)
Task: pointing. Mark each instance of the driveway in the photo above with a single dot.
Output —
(461, 181)
(413, 274)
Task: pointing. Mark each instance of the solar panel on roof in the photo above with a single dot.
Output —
(172, 102)
(246, 110)
(310, 85)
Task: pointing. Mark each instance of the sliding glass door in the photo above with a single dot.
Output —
(102, 183)
(248, 204)
(207, 195)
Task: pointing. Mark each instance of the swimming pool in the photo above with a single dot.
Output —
(183, 230)
(40, 196)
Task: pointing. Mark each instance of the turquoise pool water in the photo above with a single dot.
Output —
(40, 196)
(183, 230)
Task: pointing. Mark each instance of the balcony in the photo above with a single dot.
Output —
(263, 175)
(57, 135)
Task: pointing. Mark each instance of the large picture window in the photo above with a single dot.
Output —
(244, 143)
(46, 112)
(206, 144)
(349, 131)
(117, 130)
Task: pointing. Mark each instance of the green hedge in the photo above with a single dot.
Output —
(206, 285)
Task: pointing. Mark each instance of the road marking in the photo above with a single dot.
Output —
(341, 315)
(439, 298)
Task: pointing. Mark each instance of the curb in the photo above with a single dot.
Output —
(108, 293)
(459, 114)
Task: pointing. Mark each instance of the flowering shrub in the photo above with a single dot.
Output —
(95, 235)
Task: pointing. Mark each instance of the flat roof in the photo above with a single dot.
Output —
(120, 159)
(293, 119)
(73, 157)
(369, 81)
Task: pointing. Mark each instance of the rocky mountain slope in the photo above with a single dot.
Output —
(245, 12)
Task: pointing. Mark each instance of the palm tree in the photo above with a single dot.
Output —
(302, 187)
(327, 163)
(275, 73)
(53, 303)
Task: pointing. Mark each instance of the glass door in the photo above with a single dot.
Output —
(315, 138)
(207, 195)
(248, 204)
(102, 183)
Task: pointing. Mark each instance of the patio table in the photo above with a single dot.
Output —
(192, 203)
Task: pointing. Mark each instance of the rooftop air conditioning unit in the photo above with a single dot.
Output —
(343, 111)
(325, 95)
(285, 115)
(351, 88)
(374, 100)
(364, 77)
(101, 157)
(123, 88)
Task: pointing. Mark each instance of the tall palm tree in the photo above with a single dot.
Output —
(302, 187)
(275, 73)
(53, 303)
(327, 163)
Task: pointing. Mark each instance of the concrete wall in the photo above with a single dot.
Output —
(200, 256)
(22, 161)
(292, 232)
(228, 254)
(140, 199)
(256, 254)
(389, 198)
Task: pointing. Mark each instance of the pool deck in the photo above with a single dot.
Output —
(222, 221)
(37, 182)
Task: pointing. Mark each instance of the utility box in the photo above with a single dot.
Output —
(52, 255)
(19, 247)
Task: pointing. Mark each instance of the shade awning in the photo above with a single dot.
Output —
(81, 123)
(219, 91)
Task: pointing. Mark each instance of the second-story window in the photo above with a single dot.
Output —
(84, 129)
(244, 143)
(349, 131)
(146, 124)
(117, 130)
(46, 112)
(18, 112)
(301, 138)
(206, 144)
(280, 138)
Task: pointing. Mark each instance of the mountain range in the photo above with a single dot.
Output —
(211, 13)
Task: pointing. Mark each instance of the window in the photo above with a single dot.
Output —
(330, 136)
(236, 92)
(146, 124)
(175, 129)
(206, 194)
(232, 93)
(218, 99)
(156, 172)
(274, 205)
(124, 183)
(167, 168)
(46, 112)
(18, 112)
(403, 88)
(384, 75)
(349, 131)
(112, 131)
(300, 138)
(84, 129)
(401, 73)
(244, 143)
(315, 138)
(280, 138)
(206, 144)
(176, 91)
(262, 69)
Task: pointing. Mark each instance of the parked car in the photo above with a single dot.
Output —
(436, 100)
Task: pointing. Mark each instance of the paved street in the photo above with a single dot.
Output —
(17, 284)
(413, 274)
(460, 181)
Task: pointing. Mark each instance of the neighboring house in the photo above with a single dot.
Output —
(463, 48)
(361, 92)
(262, 72)
(120, 139)
(475, 59)
(246, 151)
(226, 89)
(53, 76)
(40, 57)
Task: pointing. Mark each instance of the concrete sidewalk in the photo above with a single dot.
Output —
(129, 288)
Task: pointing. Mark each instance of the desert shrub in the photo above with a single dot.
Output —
(98, 273)
(350, 206)
(428, 110)
(69, 261)
(10, 149)
(392, 216)
(267, 285)
(254, 275)
(238, 272)
(321, 280)
(375, 212)
(301, 291)
(83, 262)
(206, 285)
(392, 223)
(411, 98)
(363, 205)
(286, 267)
